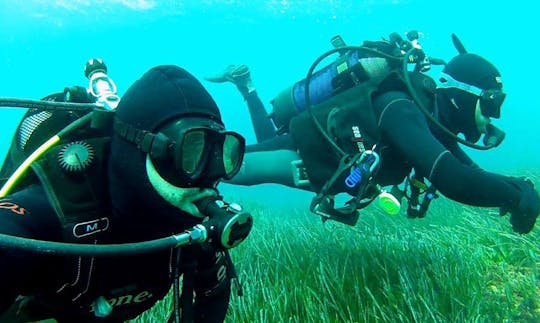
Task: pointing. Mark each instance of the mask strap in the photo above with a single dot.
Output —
(154, 144)
(447, 82)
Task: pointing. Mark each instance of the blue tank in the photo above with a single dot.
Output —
(321, 86)
(347, 71)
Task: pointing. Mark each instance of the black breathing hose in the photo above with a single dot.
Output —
(104, 250)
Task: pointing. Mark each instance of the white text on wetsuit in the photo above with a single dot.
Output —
(127, 299)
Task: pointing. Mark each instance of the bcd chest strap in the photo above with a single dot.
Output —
(73, 177)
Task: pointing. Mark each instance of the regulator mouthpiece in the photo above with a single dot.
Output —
(100, 85)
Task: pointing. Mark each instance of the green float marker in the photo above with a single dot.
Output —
(389, 203)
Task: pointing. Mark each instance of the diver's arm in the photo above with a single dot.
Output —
(403, 125)
(461, 155)
(9, 275)
(271, 161)
(261, 167)
(212, 286)
(213, 307)
(24, 214)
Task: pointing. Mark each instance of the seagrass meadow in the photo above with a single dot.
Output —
(459, 264)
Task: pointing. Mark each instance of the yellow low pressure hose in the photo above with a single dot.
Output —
(13, 179)
(27, 162)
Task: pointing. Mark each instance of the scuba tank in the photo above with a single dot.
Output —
(326, 83)
(352, 67)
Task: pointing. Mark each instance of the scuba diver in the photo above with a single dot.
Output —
(99, 197)
(373, 119)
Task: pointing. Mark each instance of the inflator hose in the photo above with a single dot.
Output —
(46, 105)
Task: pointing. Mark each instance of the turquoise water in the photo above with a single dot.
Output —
(45, 44)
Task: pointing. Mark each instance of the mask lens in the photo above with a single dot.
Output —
(491, 102)
(192, 151)
(233, 150)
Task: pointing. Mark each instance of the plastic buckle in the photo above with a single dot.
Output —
(324, 207)
(300, 175)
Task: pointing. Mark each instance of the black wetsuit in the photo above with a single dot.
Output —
(131, 284)
(262, 126)
(407, 141)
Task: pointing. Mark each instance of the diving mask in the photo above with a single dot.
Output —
(199, 151)
(490, 100)
(192, 151)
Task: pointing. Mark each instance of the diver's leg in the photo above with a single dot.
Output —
(282, 142)
(261, 167)
(240, 76)
(262, 125)
(272, 161)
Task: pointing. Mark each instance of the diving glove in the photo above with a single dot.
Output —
(239, 75)
(523, 216)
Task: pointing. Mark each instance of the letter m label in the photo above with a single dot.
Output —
(91, 227)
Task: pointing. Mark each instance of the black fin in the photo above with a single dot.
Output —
(458, 44)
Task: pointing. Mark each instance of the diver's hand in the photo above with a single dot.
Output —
(239, 75)
(523, 217)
